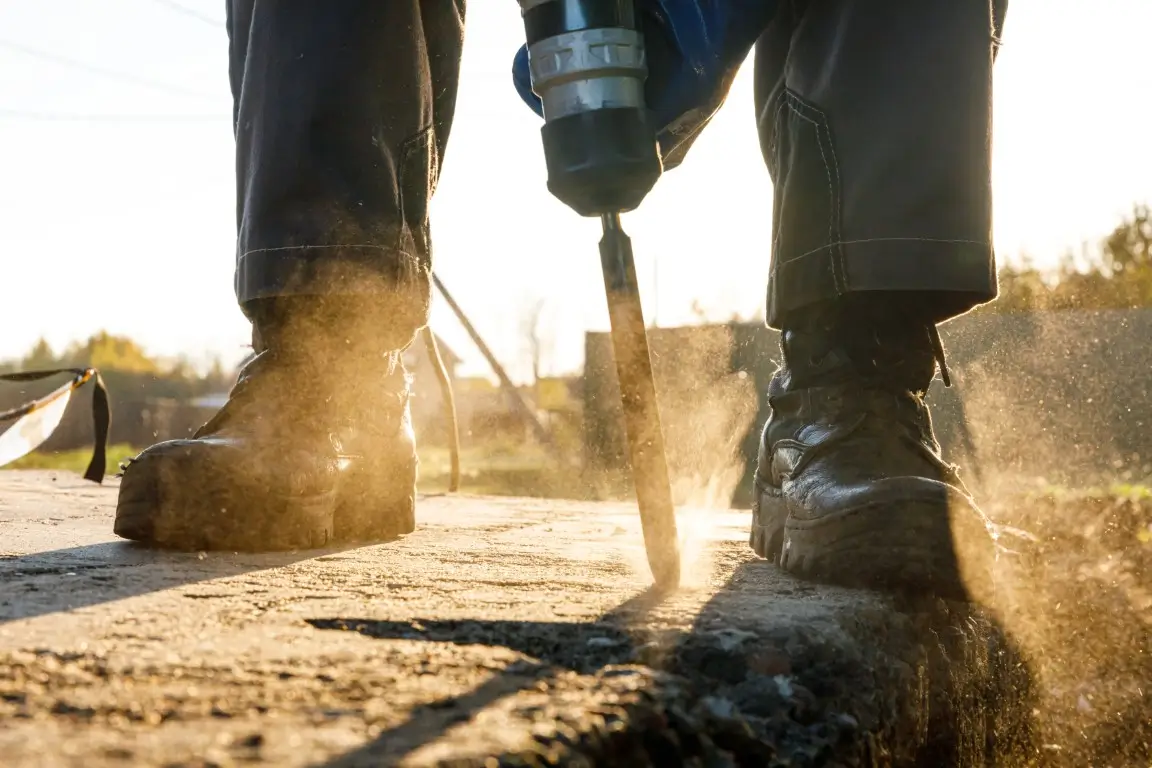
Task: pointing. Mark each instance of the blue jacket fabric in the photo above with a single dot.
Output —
(694, 50)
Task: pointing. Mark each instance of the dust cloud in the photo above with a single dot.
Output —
(1058, 409)
(706, 411)
(706, 414)
(1055, 421)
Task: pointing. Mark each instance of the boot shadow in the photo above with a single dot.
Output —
(771, 669)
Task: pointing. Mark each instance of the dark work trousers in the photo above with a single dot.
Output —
(342, 111)
(875, 122)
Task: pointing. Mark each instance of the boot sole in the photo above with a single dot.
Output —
(178, 516)
(905, 547)
(367, 512)
(366, 519)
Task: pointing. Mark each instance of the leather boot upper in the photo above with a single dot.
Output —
(849, 427)
(312, 419)
(296, 430)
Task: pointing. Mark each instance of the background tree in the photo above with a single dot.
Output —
(108, 352)
(537, 342)
(1115, 274)
(41, 356)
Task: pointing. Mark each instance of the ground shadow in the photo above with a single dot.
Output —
(42, 583)
(35, 584)
(936, 684)
(555, 646)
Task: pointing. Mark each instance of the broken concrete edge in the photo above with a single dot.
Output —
(939, 686)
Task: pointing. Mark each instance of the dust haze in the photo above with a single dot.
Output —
(706, 410)
(1056, 410)
(706, 415)
(1056, 406)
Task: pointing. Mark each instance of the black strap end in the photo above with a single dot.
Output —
(101, 423)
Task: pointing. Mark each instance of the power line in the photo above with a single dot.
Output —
(101, 71)
(18, 114)
(189, 12)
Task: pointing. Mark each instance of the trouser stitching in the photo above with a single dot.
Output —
(404, 254)
(776, 159)
(863, 241)
(409, 262)
(832, 172)
(404, 278)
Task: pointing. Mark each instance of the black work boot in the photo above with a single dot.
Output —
(314, 446)
(851, 488)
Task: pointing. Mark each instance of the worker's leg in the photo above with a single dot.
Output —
(342, 113)
(875, 121)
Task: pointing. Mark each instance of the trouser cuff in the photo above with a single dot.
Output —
(400, 284)
(958, 275)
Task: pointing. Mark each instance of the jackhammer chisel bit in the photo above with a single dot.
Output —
(640, 406)
(587, 66)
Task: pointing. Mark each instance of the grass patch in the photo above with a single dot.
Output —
(74, 460)
(498, 470)
(1115, 492)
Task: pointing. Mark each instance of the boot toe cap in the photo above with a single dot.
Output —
(214, 494)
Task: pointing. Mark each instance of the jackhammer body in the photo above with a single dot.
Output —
(588, 68)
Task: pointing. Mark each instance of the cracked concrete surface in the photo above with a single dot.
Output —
(502, 632)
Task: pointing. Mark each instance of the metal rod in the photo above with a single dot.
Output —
(434, 356)
(638, 400)
(511, 392)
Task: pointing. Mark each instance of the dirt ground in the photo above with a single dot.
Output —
(502, 632)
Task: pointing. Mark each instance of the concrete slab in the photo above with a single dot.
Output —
(502, 632)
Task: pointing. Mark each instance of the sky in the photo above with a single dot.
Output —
(117, 188)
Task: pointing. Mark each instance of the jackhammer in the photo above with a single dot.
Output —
(587, 65)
